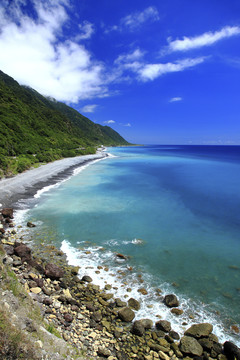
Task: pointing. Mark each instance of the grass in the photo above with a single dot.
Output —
(13, 343)
(50, 328)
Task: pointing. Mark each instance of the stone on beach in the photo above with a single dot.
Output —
(199, 330)
(171, 300)
(126, 314)
(163, 325)
(190, 346)
(53, 271)
(134, 304)
(24, 252)
(7, 213)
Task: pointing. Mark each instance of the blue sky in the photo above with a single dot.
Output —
(158, 72)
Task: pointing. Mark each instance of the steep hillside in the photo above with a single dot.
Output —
(36, 129)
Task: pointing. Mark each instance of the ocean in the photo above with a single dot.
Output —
(172, 211)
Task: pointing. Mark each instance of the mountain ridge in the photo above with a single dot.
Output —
(37, 129)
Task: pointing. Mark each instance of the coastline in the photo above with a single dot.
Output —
(26, 184)
(91, 319)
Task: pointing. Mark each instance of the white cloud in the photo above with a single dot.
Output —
(89, 108)
(109, 122)
(126, 58)
(33, 55)
(127, 125)
(175, 99)
(206, 39)
(136, 19)
(86, 31)
(153, 71)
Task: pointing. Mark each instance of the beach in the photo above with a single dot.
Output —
(26, 184)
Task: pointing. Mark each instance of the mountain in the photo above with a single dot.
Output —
(36, 129)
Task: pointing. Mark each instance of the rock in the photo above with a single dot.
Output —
(138, 328)
(96, 316)
(121, 256)
(199, 330)
(163, 325)
(126, 314)
(190, 346)
(7, 213)
(104, 352)
(9, 249)
(53, 271)
(36, 290)
(120, 303)
(171, 300)
(231, 351)
(23, 251)
(143, 291)
(87, 278)
(68, 317)
(174, 335)
(47, 301)
(177, 311)
(7, 260)
(147, 323)
(30, 224)
(134, 304)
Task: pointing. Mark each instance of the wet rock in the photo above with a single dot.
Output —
(143, 291)
(87, 278)
(121, 256)
(174, 335)
(138, 328)
(23, 251)
(30, 224)
(134, 304)
(120, 303)
(163, 325)
(190, 346)
(147, 323)
(126, 314)
(177, 311)
(231, 351)
(199, 330)
(7, 213)
(53, 271)
(171, 300)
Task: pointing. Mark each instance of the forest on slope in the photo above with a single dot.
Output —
(36, 129)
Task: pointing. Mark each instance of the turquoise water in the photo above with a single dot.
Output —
(173, 210)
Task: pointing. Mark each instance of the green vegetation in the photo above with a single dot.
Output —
(37, 129)
(50, 328)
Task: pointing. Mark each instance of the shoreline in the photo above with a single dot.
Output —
(92, 319)
(25, 185)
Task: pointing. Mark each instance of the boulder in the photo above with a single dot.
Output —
(30, 224)
(121, 256)
(177, 311)
(163, 325)
(134, 304)
(126, 314)
(87, 278)
(23, 251)
(199, 330)
(147, 323)
(138, 328)
(171, 300)
(231, 351)
(190, 346)
(53, 271)
(7, 213)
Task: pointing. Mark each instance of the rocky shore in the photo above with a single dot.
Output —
(84, 321)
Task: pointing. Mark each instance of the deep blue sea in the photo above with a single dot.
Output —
(173, 210)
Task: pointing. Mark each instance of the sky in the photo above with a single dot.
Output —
(158, 72)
